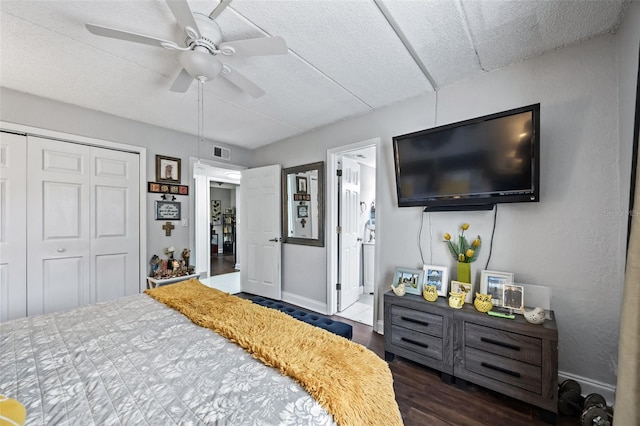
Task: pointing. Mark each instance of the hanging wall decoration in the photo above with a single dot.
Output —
(216, 210)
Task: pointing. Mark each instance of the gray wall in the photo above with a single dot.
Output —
(569, 241)
(21, 108)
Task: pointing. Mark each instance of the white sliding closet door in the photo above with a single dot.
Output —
(82, 237)
(13, 227)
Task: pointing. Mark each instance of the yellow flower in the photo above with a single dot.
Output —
(465, 226)
(476, 242)
(447, 236)
(470, 253)
(461, 257)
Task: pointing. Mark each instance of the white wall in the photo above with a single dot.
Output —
(21, 108)
(566, 241)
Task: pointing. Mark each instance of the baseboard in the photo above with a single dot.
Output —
(304, 302)
(591, 386)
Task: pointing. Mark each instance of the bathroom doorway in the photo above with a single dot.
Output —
(361, 306)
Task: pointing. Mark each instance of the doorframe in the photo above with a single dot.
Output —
(202, 173)
(333, 156)
(101, 143)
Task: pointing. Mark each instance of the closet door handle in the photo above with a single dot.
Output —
(499, 343)
(500, 369)
(61, 250)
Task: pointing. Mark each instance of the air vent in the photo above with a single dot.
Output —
(222, 153)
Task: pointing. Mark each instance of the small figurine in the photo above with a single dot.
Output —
(155, 265)
(483, 302)
(536, 316)
(456, 299)
(186, 254)
(169, 251)
(430, 293)
(399, 290)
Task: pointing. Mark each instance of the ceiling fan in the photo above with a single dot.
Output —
(203, 48)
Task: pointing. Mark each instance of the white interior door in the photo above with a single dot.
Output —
(58, 242)
(349, 234)
(115, 227)
(13, 226)
(261, 246)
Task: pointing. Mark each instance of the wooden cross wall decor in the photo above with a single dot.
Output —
(167, 228)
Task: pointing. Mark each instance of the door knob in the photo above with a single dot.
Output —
(61, 250)
(359, 239)
(275, 240)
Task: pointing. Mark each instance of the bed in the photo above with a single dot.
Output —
(136, 360)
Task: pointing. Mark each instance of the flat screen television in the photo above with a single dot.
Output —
(472, 164)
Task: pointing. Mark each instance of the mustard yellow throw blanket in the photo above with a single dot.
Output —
(352, 383)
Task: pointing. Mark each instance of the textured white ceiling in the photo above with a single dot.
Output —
(346, 57)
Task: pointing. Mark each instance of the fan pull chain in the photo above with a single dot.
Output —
(200, 114)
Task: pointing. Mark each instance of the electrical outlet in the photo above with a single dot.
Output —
(184, 222)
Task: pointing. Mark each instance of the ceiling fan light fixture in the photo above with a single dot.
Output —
(200, 64)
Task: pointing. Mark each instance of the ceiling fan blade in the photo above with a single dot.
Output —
(261, 46)
(242, 82)
(183, 14)
(128, 36)
(219, 8)
(182, 82)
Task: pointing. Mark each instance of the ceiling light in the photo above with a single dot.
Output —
(200, 64)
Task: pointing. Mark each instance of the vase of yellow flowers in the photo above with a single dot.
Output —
(464, 252)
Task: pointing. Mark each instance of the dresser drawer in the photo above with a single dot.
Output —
(421, 343)
(422, 322)
(504, 370)
(510, 345)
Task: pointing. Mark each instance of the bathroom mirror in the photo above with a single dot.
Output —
(303, 204)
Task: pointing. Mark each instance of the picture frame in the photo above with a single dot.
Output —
(412, 279)
(168, 210)
(167, 169)
(303, 211)
(164, 188)
(216, 210)
(301, 185)
(438, 276)
(460, 287)
(513, 296)
(491, 282)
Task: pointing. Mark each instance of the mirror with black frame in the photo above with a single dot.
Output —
(303, 204)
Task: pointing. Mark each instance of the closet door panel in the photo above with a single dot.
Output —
(115, 224)
(58, 235)
(13, 226)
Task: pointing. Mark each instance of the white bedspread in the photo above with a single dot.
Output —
(136, 361)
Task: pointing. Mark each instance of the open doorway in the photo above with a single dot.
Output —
(222, 229)
(216, 258)
(351, 291)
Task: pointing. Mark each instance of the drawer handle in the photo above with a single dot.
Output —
(500, 369)
(415, 342)
(426, 324)
(498, 343)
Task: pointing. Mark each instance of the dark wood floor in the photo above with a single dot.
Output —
(222, 264)
(424, 399)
